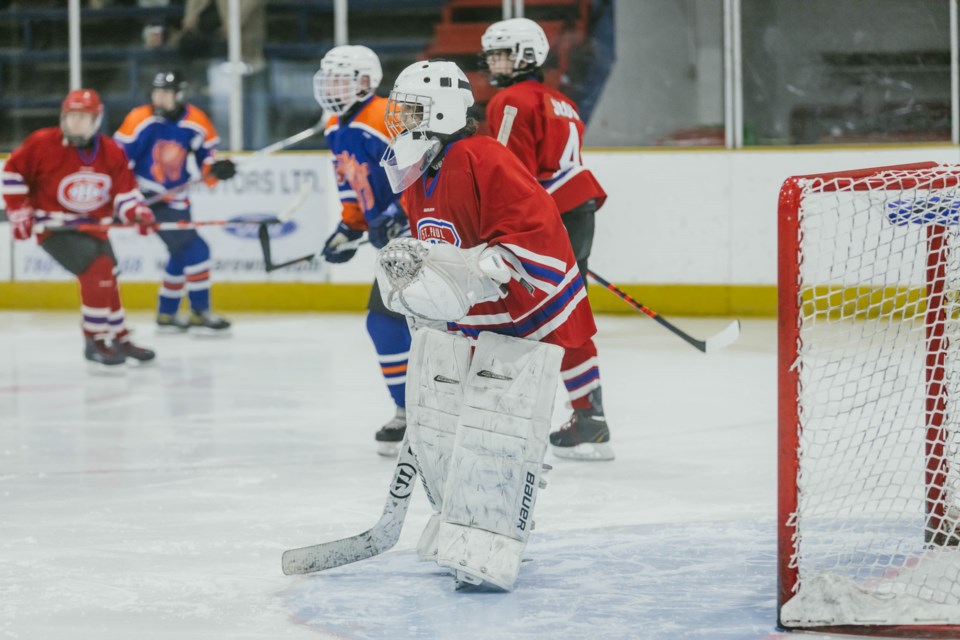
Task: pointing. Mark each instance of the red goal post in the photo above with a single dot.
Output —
(868, 366)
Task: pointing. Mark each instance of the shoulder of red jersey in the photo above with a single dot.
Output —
(45, 136)
(521, 94)
(111, 149)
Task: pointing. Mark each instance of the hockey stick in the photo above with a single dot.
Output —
(714, 343)
(381, 537)
(267, 150)
(270, 265)
(506, 126)
(182, 225)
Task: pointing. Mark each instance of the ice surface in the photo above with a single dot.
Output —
(156, 504)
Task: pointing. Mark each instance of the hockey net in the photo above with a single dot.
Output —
(869, 400)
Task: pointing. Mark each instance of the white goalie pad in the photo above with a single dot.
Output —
(438, 281)
(491, 487)
(438, 366)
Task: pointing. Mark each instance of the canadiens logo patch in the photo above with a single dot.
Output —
(434, 231)
(84, 191)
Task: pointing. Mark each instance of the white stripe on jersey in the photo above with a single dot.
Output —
(547, 261)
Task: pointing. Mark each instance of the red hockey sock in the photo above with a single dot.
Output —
(580, 374)
(97, 288)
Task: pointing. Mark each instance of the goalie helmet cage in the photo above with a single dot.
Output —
(869, 386)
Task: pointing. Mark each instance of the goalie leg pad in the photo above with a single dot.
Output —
(439, 363)
(501, 439)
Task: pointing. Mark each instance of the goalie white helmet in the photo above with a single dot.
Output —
(523, 38)
(429, 100)
(348, 74)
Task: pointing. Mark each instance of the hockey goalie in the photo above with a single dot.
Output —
(491, 266)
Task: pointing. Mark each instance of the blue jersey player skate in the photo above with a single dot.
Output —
(159, 139)
(344, 86)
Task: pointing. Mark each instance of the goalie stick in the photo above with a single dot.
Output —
(374, 541)
(712, 344)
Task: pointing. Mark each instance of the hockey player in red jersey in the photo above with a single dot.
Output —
(74, 174)
(357, 136)
(491, 274)
(546, 135)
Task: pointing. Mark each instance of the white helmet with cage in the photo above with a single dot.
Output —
(523, 38)
(347, 75)
(429, 100)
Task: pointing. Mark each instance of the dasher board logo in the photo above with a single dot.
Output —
(252, 231)
(434, 231)
(84, 191)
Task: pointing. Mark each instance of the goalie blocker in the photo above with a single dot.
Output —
(478, 430)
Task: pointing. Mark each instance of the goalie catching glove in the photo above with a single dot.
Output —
(438, 281)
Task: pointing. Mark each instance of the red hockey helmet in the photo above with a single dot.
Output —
(87, 101)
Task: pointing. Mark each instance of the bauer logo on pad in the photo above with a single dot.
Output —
(490, 374)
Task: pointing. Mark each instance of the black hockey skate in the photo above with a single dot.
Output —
(209, 323)
(391, 434)
(585, 436)
(103, 356)
(171, 323)
(140, 355)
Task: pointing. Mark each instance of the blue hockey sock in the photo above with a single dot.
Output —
(391, 337)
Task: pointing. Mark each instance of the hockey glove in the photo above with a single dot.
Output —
(341, 236)
(387, 226)
(142, 216)
(223, 169)
(21, 220)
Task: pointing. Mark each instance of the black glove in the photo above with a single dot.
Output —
(223, 169)
(342, 235)
(387, 226)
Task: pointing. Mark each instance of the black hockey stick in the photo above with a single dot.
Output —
(714, 343)
(270, 265)
(381, 537)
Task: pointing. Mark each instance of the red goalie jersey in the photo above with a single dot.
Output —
(482, 195)
(547, 135)
(55, 178)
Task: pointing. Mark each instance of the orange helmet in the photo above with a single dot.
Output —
(85, 101)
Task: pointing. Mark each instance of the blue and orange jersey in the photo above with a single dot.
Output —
(358, 142)
(159, 149)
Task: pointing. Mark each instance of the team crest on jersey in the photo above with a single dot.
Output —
(84, 191)
(435, 231)
(169, 160)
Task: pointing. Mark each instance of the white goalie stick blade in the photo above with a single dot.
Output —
(723, 339)
(365, 545)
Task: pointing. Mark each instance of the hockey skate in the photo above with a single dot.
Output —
(103, 357)
(207, 323)
(585, 436)
(139, 355)
(171, 323)
(391, 434)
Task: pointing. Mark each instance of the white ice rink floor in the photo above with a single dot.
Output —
(156, 504)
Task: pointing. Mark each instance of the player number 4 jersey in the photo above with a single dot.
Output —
(547, 135)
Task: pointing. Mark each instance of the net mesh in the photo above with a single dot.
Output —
(879, 380)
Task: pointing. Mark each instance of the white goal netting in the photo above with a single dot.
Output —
(877, 392)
